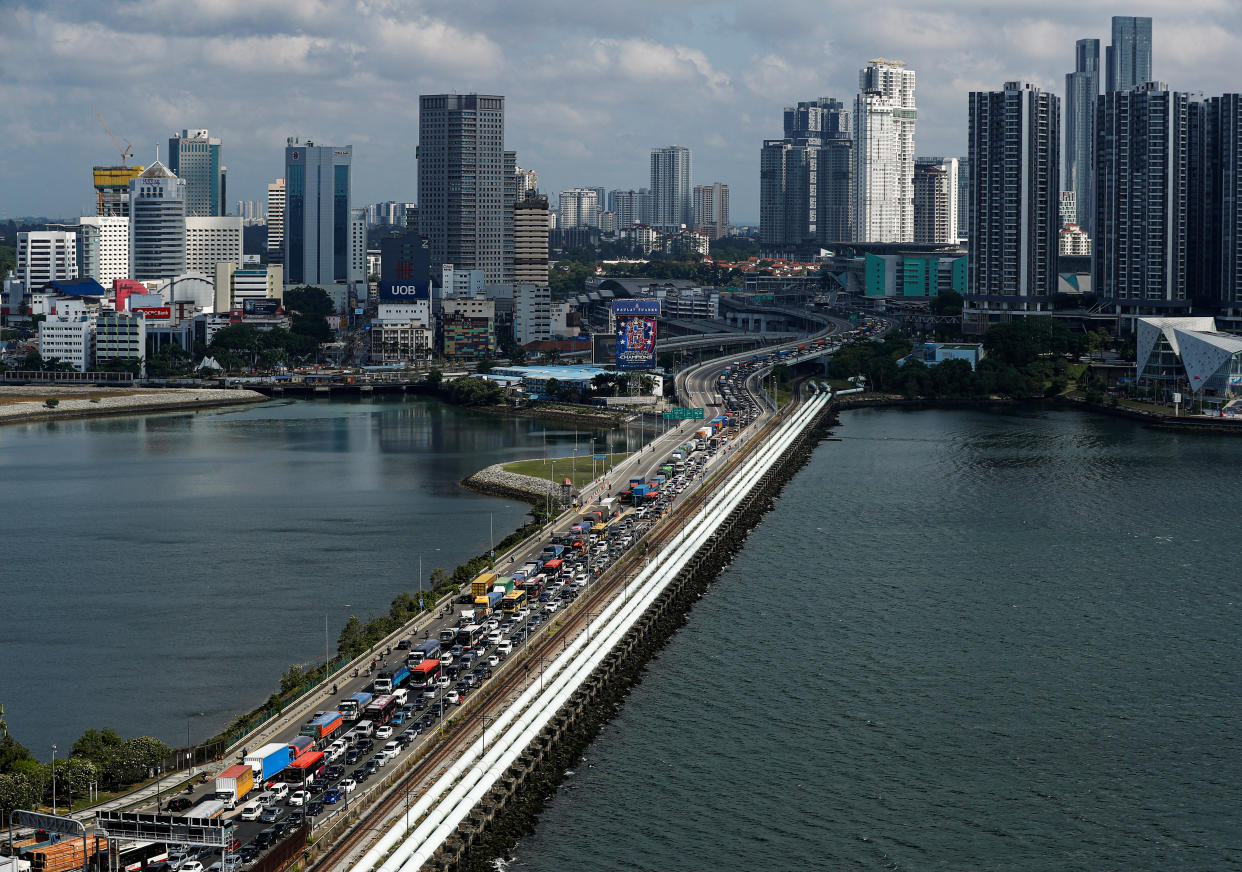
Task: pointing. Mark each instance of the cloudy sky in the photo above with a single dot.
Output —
(590, 86)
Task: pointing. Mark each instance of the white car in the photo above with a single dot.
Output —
(265, 800)
(278, 790)
(523, 613)
(505, 647)
(454, 697)
(191, 866)
(251, 812)
(444, 681)
(298, 797)
(384, 732)
(348, 785)
(492, 661)
(552, 607)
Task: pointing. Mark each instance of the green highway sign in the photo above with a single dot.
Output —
(684, 414)
(765, 298)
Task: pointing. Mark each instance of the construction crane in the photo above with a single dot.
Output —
(127, 151)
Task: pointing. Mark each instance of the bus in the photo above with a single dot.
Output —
(302, 770)
(470, 636)
(351, 708)
(514, 601)
(424, 675)
(552, 567)
(381, 709)
(429, 650)
(533, 586)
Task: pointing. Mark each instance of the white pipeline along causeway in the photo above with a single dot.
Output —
(452, 797)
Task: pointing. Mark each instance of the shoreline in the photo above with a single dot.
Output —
(77, 403)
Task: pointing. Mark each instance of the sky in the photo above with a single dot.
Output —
(590, 87)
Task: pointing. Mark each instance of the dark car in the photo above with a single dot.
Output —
(265, 838)
(365, 745)
(334, 772)
(281, 829)
(332, 797)
(360, 774)
(352, 756)
(406, 738)
(178, 803)
(246, 854)
(371, 766)
(314, 808)
(296, 819)
(403, 645)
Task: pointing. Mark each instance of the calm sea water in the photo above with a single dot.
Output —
(962, 640)
(160, 572)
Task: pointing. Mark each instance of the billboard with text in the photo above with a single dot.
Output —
(647, 308)
(636, 342)
(404, 292)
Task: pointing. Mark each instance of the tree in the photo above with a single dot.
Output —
(350, 641)
(434, 378)
(76, 774)
(476, 392)
(487, 364)
(946, 303)
(101, 747)
(16, 792)
(309, 300)
(32, 362)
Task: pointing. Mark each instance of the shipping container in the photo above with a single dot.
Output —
(206, 811)
(504, 585)
(236, 781)
(269, 760)
(299, 745)
(351, 708)
(482, 585)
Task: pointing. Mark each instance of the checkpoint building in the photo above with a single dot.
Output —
(1189, 355)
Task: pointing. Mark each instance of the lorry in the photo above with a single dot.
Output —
(299, 745)
(327, 724)
(639, 480)
(504, 585)
(233, 784)
(269, 760)
(483, 584)
(351, 708)
(553, 552)
(389, 681)
(494, 599)
(641, 490)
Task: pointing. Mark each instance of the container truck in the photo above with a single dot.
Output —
(634, 481)
(483, 584)
(390, 681)
(553, 552)
(299, 745)
(641, 490)
(233, 784)
(269, 760)
(504, 585)
(494, 599)
(351, 708)
(328, 724)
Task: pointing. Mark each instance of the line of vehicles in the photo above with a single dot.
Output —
(278, 787)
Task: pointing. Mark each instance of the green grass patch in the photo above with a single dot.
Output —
(557, 469)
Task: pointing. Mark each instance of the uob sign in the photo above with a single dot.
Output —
(404, 292)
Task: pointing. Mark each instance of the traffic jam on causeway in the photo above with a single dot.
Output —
(395, 706)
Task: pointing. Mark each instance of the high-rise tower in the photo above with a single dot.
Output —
(194, 156)
(884, 117)
(671, 186)
(317, 215)
(461, 184)
(157, 236)
(1082, 88)
(1129, 56)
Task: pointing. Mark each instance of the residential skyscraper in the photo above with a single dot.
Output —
(785, 206)
(811, 122)
(1142, 199)
(526, 184)
(44, 256)
(109, 258)
(157, 224)
(935, 200)
(884, 117)
(1128, 58)
(1082, 88)
(276, 221)
(461, 184)
(578, 207)
(671, 174)
(317, 215)
(1015, 173)
(834, 194)
(194, 156)
(1215, 252)
(711, 210)
(963, 198)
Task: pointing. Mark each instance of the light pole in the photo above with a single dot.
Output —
(486, 719)
(53, 779)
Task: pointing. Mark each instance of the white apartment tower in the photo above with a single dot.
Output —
(276, 221)
(112, 261)
(711, 209)
(44, 256)
(885, 116)
(578, 207)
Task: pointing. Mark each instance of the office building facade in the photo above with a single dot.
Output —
(1082, 89)
(157, 234)
(318, 233)
(530, 241)
(108, 257)
(194, 156)
(461, 184)
(1128, 57)
(1015, 180)
(44, 256)
(209, 241)
(671, 186)
(276, 221)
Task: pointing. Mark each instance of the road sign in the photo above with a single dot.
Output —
(765, 298)
(601, 456)
(164, 828)
(50, 822)
(684, 414)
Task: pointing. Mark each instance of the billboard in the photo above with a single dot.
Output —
(404, 292)
(636, 342)
(648, 308)
(265, 306)
(154, 313)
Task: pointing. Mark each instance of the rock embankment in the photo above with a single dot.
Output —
(494, 481)
(85, 403)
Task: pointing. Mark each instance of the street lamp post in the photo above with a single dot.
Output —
(53, 779)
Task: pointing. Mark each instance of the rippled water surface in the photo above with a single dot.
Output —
(962, 640)
(159, 572)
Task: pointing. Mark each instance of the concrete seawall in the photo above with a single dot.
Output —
(510, 811)
(80, 403)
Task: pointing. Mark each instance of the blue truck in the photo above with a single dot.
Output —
(553, 552)
(353, 707)
(390, 682)
(269, 760)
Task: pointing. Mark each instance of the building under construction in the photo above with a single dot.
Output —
(112, 189)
